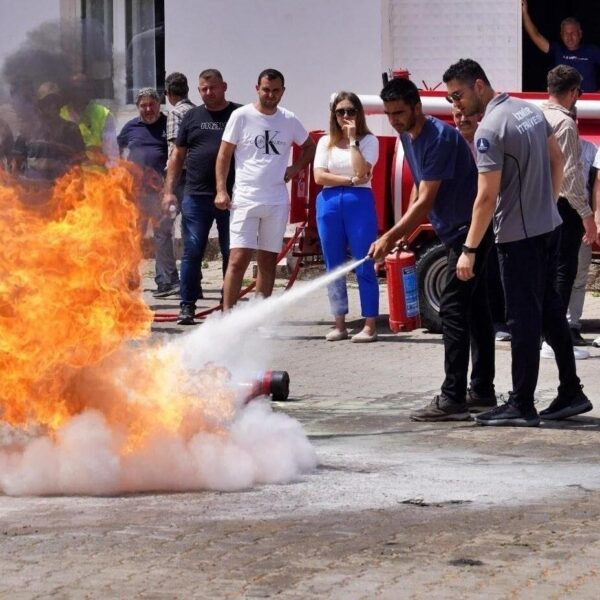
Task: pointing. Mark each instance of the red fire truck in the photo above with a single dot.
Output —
(392, 183)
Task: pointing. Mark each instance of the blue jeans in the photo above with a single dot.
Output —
(346, 218)
(162, 225)
(198, 212)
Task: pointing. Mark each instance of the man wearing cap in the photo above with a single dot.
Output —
(53, 145)
(143, 140)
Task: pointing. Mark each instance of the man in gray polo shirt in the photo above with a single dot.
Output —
(520, 172)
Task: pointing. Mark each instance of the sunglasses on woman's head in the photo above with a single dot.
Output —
(346, 112)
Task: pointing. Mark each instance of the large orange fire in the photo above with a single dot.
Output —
(70, 298)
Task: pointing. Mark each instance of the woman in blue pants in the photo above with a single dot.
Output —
(346, 210)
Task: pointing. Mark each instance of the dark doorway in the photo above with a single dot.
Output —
(547, 17)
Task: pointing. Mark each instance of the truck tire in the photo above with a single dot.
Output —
(431, 273)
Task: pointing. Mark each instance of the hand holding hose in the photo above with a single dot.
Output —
(381, 248)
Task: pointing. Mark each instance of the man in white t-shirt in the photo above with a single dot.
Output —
(259, 136)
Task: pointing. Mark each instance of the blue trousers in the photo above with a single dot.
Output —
(346, 218)
(197, 216)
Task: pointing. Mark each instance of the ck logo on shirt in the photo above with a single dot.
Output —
(268, 142)
(483, 145)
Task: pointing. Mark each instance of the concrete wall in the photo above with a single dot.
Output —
(320, 47)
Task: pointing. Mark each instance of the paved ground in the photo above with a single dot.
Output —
(395, 509)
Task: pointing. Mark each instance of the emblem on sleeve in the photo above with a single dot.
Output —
(482, 145)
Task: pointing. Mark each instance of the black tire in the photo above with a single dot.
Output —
(431, 274)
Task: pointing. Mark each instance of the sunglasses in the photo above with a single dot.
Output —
(346, 112)
(457, 95)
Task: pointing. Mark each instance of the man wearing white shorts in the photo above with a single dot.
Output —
(259, 136)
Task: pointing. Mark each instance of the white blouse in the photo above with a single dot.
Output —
(338, 161)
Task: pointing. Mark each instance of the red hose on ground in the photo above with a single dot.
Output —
(171, 317)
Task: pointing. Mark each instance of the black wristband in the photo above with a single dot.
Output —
(468, 249)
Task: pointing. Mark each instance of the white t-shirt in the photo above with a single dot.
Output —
(338, 160)
(262, 153)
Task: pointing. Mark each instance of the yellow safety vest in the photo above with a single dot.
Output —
(91, 126)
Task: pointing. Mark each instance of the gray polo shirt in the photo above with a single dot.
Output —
(513, 137)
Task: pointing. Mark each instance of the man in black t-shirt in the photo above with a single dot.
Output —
(198, 143)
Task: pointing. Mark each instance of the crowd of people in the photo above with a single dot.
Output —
(509, 190)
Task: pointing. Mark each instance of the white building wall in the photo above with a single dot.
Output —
(319, 45)
(427, 36)
(18, 17)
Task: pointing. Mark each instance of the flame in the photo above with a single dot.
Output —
(70, 299)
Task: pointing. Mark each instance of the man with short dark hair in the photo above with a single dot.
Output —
(445, 179)
(143, 140)
(569, 51)
(197, 144)
(520, 172)
(564, 87)
(260, 135)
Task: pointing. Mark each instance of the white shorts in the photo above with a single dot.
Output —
(258, 226)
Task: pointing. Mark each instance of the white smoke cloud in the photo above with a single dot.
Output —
(255, 446)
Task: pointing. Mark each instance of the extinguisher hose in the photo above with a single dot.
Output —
(170, 317)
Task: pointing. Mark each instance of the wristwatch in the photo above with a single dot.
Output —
(468, 249)
(351, 181)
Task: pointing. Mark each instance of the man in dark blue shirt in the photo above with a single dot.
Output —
(445, 187)
(569, 51)
(143, 140)
(198, 143)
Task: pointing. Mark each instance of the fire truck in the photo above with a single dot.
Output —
(392, 183)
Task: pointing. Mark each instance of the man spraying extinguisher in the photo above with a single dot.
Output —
(445, 187)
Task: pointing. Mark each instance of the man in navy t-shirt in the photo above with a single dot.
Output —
(445, 187)
(569, 51)
(143, 140)
(198, 143)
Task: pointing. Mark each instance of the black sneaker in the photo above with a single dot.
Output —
(563, 407)
(479, 404)
(509, 414)
(441, 409)
(576, 338)
(164, 290)
(186, 314)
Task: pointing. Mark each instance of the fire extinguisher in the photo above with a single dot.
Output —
(270, 383)
(403, 291)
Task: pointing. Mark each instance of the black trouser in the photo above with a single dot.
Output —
(571, 232)
(467, 325)
(534, 307)
(495, 291)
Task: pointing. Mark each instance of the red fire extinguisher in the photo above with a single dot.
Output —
(403, 291)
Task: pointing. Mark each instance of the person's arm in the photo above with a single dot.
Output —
(308, 153)
(423, 203)
(359, 164)
(174, 168)
(226, 150)
(414, 194)
(488, 187)
(532, 31)
(324, 177)
(557, 163)
(596, 198)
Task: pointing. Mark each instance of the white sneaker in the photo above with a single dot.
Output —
(547, 352)
(580, 354)
(596, 343)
